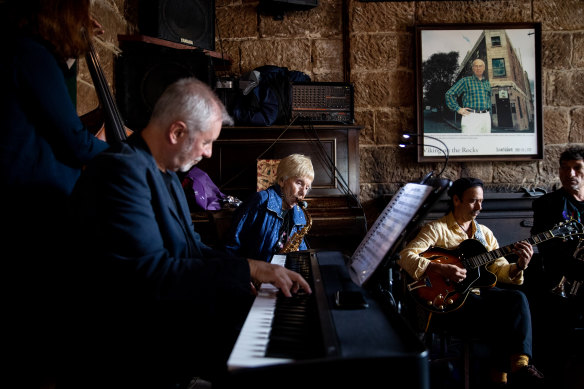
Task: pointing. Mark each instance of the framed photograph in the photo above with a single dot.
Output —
(478, 91)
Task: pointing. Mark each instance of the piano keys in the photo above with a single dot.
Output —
(369, 347)
(280, 329)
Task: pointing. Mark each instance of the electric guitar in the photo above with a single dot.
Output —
(438, 294)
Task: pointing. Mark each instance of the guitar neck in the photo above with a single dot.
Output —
(483, 259)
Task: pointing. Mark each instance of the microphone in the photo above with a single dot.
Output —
(408, 137)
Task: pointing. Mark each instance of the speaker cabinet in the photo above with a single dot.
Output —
(190, 22)
(143, 71)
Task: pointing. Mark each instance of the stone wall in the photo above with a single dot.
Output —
(378, 57)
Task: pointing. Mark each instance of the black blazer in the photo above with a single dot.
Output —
(557, 254)
(141, 240)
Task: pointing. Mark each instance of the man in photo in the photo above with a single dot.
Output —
(476, 100)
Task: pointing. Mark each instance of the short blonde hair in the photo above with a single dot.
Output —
(294, 165)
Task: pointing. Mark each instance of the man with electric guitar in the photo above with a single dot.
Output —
(563, 204)
(454, 276)
(558, 298)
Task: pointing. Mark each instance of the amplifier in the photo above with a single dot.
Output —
(322, 102)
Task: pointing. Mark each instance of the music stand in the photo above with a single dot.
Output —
(371, 263)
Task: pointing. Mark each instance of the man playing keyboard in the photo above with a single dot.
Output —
(161, 299)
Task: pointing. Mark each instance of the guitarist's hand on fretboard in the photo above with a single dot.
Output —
(524, 252)
(451, 272)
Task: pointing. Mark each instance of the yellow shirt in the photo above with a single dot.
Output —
(446, 233)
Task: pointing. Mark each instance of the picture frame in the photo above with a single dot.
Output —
(501, 119)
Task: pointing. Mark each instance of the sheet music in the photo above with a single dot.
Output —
(385, 231)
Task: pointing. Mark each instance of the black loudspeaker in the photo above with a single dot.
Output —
(190, 22)
(144, 70)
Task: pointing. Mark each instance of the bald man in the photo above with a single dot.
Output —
(476, 100)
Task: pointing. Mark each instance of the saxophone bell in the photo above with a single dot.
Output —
(560, 289)
(294, 242)
(568, 287)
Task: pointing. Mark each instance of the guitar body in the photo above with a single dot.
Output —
(437, 294)
(441, 295)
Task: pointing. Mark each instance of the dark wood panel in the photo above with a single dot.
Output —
(338, 223)
(338, 219)
(333, 149)
(508, 215)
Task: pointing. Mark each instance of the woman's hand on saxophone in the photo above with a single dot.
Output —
(288, 281)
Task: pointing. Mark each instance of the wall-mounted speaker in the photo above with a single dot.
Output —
(143, 71)
(190, 22)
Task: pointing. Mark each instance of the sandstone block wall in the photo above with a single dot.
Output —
(371, 44)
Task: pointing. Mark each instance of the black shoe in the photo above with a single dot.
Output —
(526, 377)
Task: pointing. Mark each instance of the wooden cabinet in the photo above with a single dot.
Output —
(334, 151)
(338, 219)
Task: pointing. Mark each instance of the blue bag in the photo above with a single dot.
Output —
(269, 101)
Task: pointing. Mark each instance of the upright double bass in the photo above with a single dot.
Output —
(113, 125)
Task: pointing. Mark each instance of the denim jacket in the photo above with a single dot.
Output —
(256, 225)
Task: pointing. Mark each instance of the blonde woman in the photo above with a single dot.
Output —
(265, 222)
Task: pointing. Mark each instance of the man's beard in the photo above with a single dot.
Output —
(573, 185)
(185, 168)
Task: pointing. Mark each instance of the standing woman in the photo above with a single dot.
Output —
(43, 147)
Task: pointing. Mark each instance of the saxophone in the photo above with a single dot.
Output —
(569, 287)
(294, 241)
